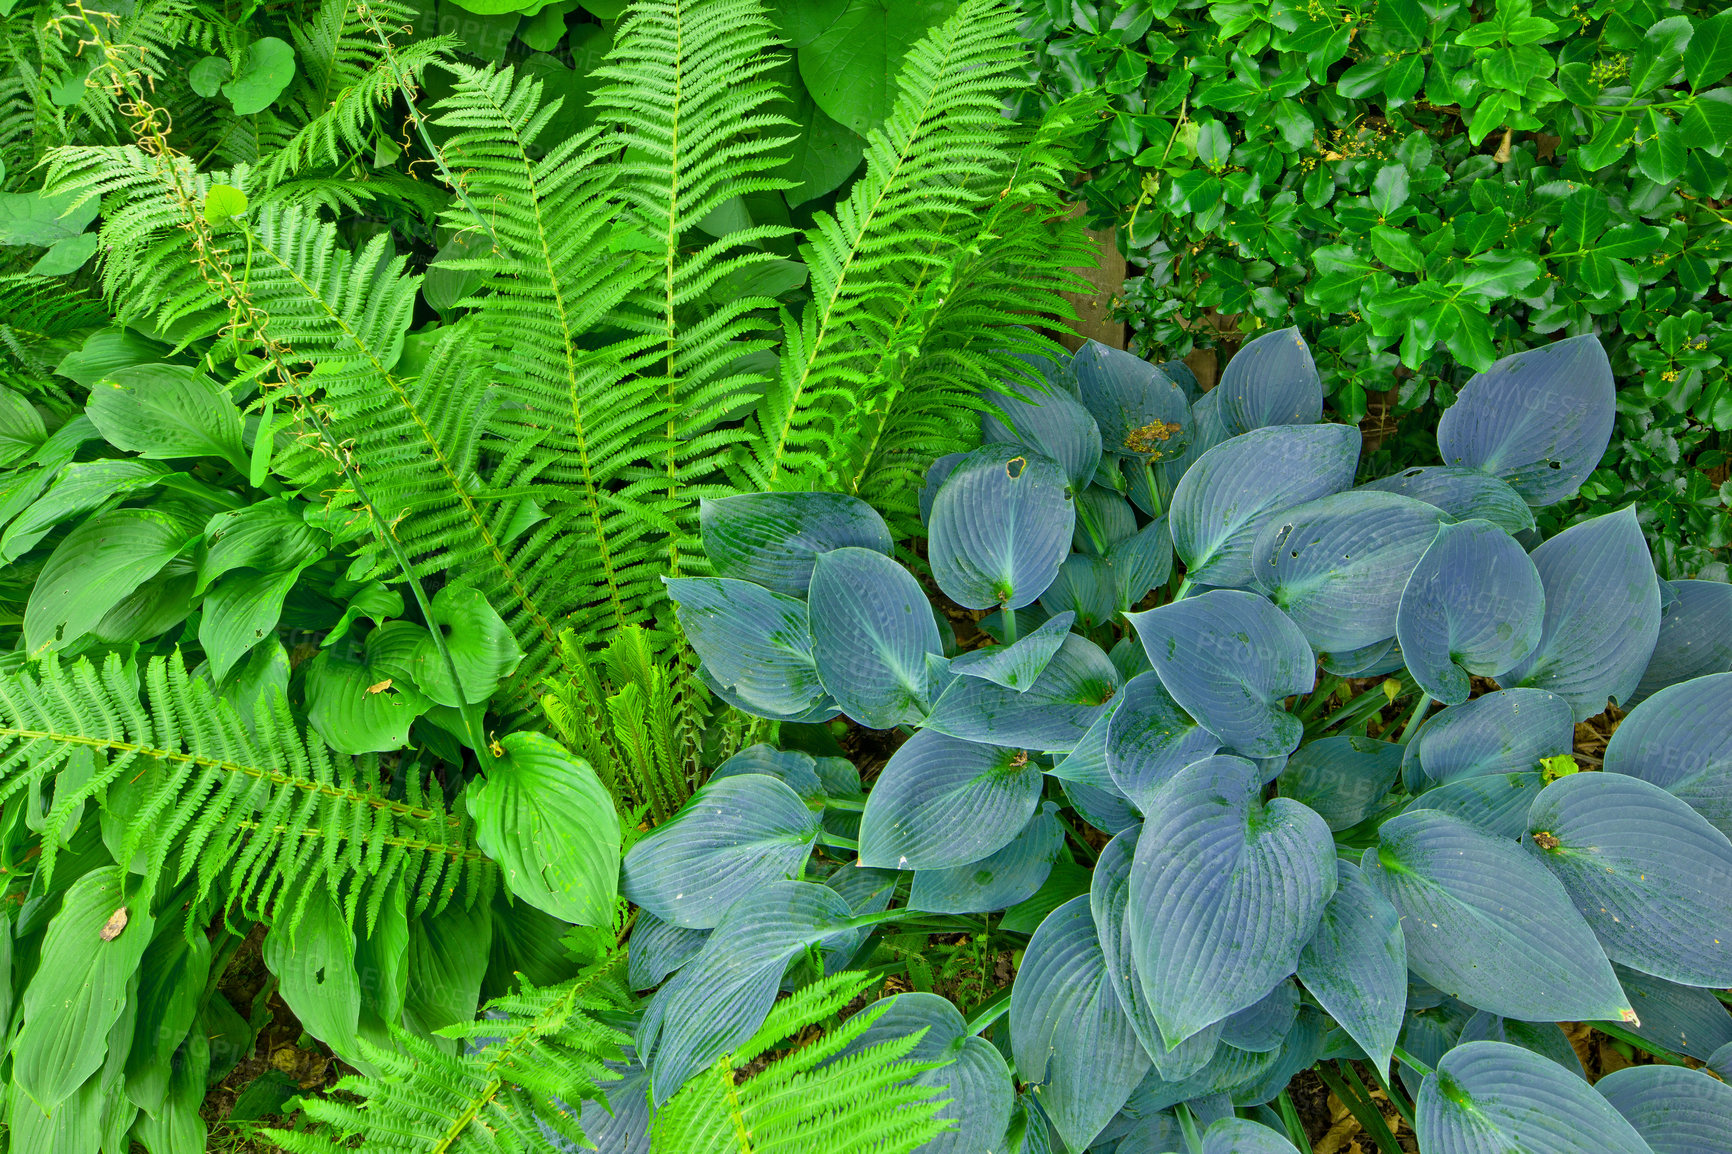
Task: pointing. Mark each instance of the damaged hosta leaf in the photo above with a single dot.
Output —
(1000, 527)
(942, 802)
(1474, 605)
(1270, 381)
(1001, 879)
(773, 539)
(1229, 658)
(1052, 423)
(1337, 565)
(1679, 740)
(1017, 665)
(1494, 1098)
(1140, 411)
(1540, 419)
(1695, 637)
(1149, 739)
(1462, 493)
(1052, 714)
(1235, 488)
(1355, 965)
(753, 642)
(871, 631)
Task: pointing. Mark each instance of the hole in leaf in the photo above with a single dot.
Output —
(1413, 472)
(1013, 468)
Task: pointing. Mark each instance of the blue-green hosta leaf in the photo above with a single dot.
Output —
(1547, 1039)
(1271, 381)
(95, 568)
(1433, 1025)
(1105, 809)
(1676, 1111)
(1492, 1098)
(358, 699)
(1486, 923)
(1225, 890)
(1003, 878)
(1232, 491)
(1104, 518)
(734, 837)
(1017, 665)
(798, 770)
(1366, 661)
(1682, 1019)
(1539, 419)
(1602, 614)
(1053, 423)
(1229, 658)
(1207, 432)
(1087, 761)
(1261, 1026)
(1001, 525)
(720, 998)
(1678, 739)
(936, 474)
(1109, 901)
(1337, 565)
(867, 891)
(1509, 731)
(942, 802)
(1052, 714)
(1695, 637)
(545, 817)
(1355, 965)
(164, 412)
(772, 539)
(752, 641)
(1463, 493)
(1473, 605)
(1650, 874)
(1140, 563)
(871, 631)
(1149, 739)
(1341, 778)
(1497, 804)
(1071, 1039)
(1141, 412)
(1241, 1135)
(1083, 588)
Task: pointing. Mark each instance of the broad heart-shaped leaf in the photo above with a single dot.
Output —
(1539, 419)
(1355, 965)
(1083, 587)
(1473, 605)
(720, 998)
(81, 985)
(755, 643)
(1679, 740)
(1241, 1135)
(1650, 874)
(1140, 562)
(359, 700)
(1141, 412)
(851, 68)
(1547, 1039)
(271, 536)
(80, 487)
(1263, 1024)
(774, 538)
(733, 837)
(1486, 923)
(94, 568)
(1341, 778)
(164, 412)
(1017, 665)
(240, 611)
(1509, 731)
(545, 817)
(1071, 1039)
(1001, 525)
(1337, 565)
(658, 948)
(872, 628)
(1271, 381)
(481, 646)
(1232, 490)
(265, 70)
(1224, 892)
(942, 802)
(316, 965)
(1675, 1110)
(1003, 878)
(1052, 423)
(1229, 658)
(1366, 661)
(799, 771)
(1109, 903)
(1602, 614)
(1149, 739)
(1462, 493)
(1695, 637)
(1682, 1019)
(1493, 1098)
(1052, 714)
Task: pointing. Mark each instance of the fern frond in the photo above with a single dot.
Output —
(261, 816)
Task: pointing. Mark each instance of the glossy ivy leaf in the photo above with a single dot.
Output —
(1052, 423)
(755, 643)
(1650, 874)
(1000, 527)
(360, 700)
(1341, 778)
(1355, 965)
(164, 412)
(1084, 588)
(1678, 740)
(1463, 493)
(1052, 714)
(1235, 488)
(1491, 1098)
(1509, 731)
(941, 803)
(1071, 1039)
(1547, 1039)
(1539, 419)
(1337, 565)
(1017, 665)
(1271, 380)
(1003, 878)
(1141, 412)
(1473, 605)
(1229, 658)
(1695, 637)
(1682, 1019)
(1140, 563)
(95, 568)
(734, 837)
(1675, 1110)
(1602, 614)
(545, 817)
(1486, 923)
(658, 948)
(773, 539)
(1149, 739)
(1224, 892)
(871, 630)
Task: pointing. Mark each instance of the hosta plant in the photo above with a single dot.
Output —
(1419, 876)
